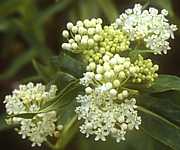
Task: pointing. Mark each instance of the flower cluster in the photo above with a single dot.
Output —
(82, 36)
(92, 40)
(116, 71)
(103, 117)
(115, 63)
(114, 40)
(136, 28)
(108, 107)
(147, 25)
(37, 128)
(31, 98)
(146, 71)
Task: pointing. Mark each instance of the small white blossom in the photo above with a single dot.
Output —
(39, 127)
(31, 98)
(148, 25)
(103, 117)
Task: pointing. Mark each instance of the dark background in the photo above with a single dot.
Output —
(21, 32)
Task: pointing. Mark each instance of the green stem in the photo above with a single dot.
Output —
(67, 134)
(141, 51)
(134, 92)
(124, 82)
(66, 90)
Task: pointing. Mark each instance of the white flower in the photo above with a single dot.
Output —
(38, 128)
(31, 98)
(103, 117)
(147, 25)
(106, 109)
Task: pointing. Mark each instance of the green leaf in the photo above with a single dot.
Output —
(44, 71)
(34, 78)
(23, 115)
(3, 124)
(18, 63)
(165, 83)
(8, 25)
(68, 64)
(62, 79)
(166, 104)
(135, 140)
(65, 106)
(85, 9)
(160, 128)
(66, 96)
(70, 129)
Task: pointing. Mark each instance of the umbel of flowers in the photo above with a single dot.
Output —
(136, 28)
(108, 106)
(148, 26)
(31, 98)
(114, 58)
(89, 38)
(113, 55)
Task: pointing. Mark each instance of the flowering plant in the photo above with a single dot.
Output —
(104, 84)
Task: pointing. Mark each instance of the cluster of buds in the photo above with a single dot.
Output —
(30, 99)
(115, 71)
(92, 40)
(114, 40)
(146, 71)
(83, 36)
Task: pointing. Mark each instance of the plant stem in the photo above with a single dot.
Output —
(67, 134)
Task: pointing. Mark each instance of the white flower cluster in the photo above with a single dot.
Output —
(114, 65)
(83, 35)
(38, 128)
(107, 107)
(116, 71)
(147, 25)
(89, 38)
(104, 117)
(31, 98)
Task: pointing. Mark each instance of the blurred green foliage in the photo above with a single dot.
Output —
(27, 19)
